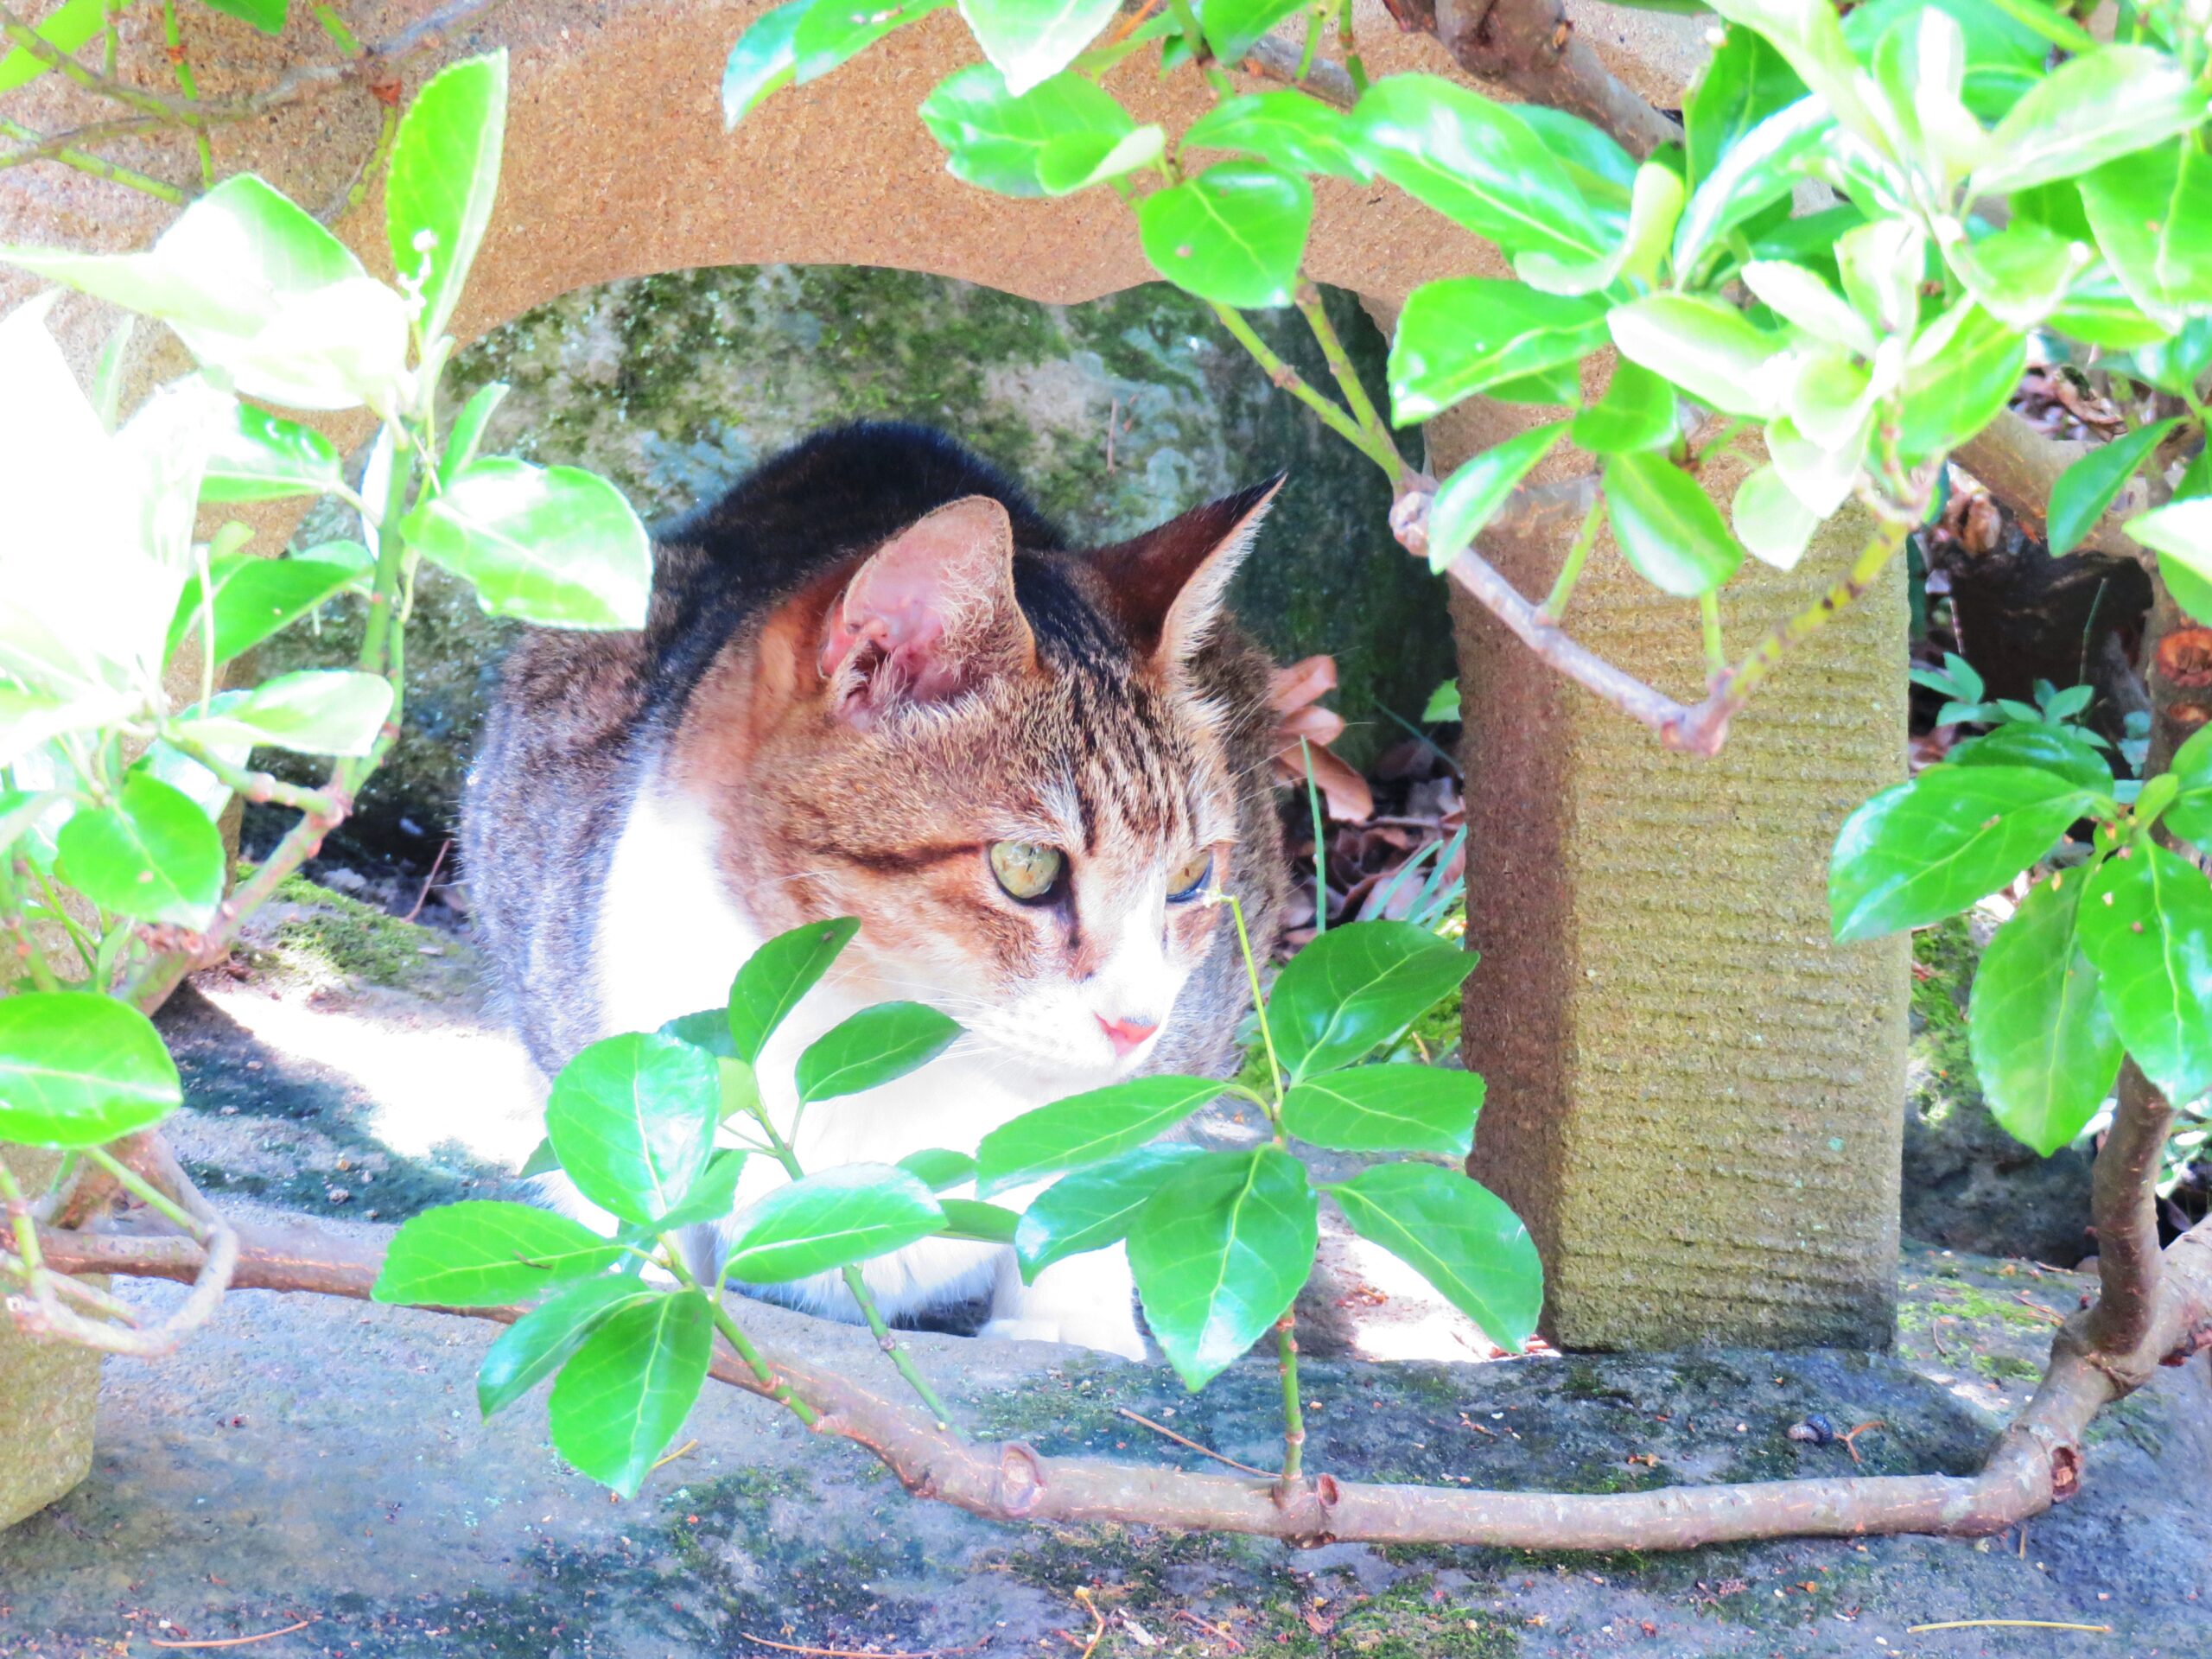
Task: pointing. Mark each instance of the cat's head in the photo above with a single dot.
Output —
(1007, 764)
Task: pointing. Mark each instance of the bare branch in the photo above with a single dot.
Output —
(2018, 465)
(2037, 1460)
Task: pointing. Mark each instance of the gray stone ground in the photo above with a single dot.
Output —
(305, 1458)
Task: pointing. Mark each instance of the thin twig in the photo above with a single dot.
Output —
(430, 881)
(1204, 1452)
(232, 1641)
(2009, 1624)
(38, 148)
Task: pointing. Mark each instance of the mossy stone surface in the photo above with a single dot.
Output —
(1115, 414)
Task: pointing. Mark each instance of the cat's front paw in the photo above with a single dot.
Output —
(1127, 1343)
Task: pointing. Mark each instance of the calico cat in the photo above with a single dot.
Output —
(875, 682)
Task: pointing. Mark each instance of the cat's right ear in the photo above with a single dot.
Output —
(930, 615)
(1167, 584)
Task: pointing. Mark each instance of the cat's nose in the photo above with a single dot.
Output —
(1127, 1035)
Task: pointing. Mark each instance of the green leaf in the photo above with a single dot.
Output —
(763, 60)
(66, 28)
(267, 15)
(2053, 748)
(1464, 334)
(2085, 489)
(1800, 297)
(713, 1197)
(1086, 1128)
(315, 711)
(1637, 413)
(1476, 163)
(1443, 703)
(536, 1345)
(986, 1223)
(263, 456)
(1003, 143)
(542, 1160)
(1094, 1207)
(1710, 349)
(1809, 34)
(2153, 215)
(632, 1118)
(1233, 235)
(78, 1070)
(1744, 81)
(2044, 1046)
(2107, 103)
(151, 855)
(2020, 275)
(1921, 851)
(2180, 533)
(2097, 312)
(1357, 986)
(1032, 41)
(1219, 1254)
(253, 598)
(938, 1167)
(833, 32)
(775, 977)
(1667, 526)
(1601, 172)
(1458, 1234)
(30, 719)
(1295, 132)
(1234, 27)
(553, 545)
(1774, 525)
(873, 1047)
(1960, 372)
(1654, 206)
(619, 1399)
(1758, 170)
(2146, 923)
(1471, 497)
(831, 1219)
(481, 1254)
(1387, 1109)
(466, 432)
(445, 173)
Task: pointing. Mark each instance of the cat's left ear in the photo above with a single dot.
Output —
(1167, 585)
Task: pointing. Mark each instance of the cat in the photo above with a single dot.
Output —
(875, 682)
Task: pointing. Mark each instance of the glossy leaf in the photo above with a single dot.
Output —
(1809, 34)
(30, 719)
(261, 457)
(1476, 163)
(315, 711)
(622, 1395)
(1387, 1109)
(2021, 275)
(2153, 215)
(831, 32)
(2180, 533)
(970, 1219)
(831, 1219)
(267, 15)
(1601, 172)
(1094, 1207)
(1032, 41)
(713, 1197)
(939, 1167)
(775, 977)
(553, 545)
(2045, 1048)
(1744, 81)
(466, 433)
(1356, 986)
(873, 1047)
(1290, 129)
(254, 597)
(482, 1254)
(763, 60)
(1758, 170)
(1709, 349)
(444, 176)
(78, 1070)
(1636, 412)
(536, 1345)
(2053, 748)
(1667, 527)
(1655, 205)
(2146, 923)
(1773, 525)
(1219, 1254)
(65, 29)
(1233, 235)
(1799, 296)
(1001, 142)
(1086, 1128)
(2107, 103)
(1472, 496)
(151, 855)
(632, 1118)
(2085, 489)
(1959, 374)
(1458, 1234)
(1921, 851)
(1464, 334)
(1234, 27)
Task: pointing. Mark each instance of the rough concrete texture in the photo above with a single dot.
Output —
(47, 1394)
(1692, 1095)
(1115, 414)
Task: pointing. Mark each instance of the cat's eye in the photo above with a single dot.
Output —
(1026, 869)
(1189, 880)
